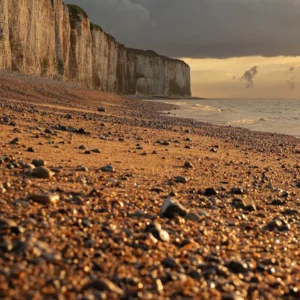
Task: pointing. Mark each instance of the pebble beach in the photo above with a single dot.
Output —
(103, 197)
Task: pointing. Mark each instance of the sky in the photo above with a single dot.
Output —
(235, 48)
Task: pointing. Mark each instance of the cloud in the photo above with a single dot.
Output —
(201, 28)
(249, 76)
(291, 82)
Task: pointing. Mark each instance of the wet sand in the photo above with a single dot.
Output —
(89, 223)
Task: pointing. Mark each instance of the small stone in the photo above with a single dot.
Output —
(87, 152)
(101, 109)
(15, 141)
(278, 224)
(277, 202)
(38, 162)
(159, 233)
(49, 131)
(71, 129)
(31, 149)
(44, 198)
(164, 143)
(169, 263)
(82, 131)
(82, 169)
(28, 166)
(250, 207)
(238, 203)
(210, 192)
(291, 212)
(158, 286)
(107, 168)
(95, 150)
(172, 208)
(180, 179)
(192, 217)
(102, 285)
(188, 165)
(238, 267)
(7, 223)
(237, 191)
(157, 190)
(42, 172)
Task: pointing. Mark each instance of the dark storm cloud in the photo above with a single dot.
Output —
(201, 28)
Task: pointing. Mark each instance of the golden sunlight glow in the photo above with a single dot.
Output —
(277, 77)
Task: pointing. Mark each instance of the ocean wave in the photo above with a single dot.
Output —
(207, 108)
(246, 121)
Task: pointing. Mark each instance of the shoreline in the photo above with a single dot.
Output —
(179, 113)
(113, 161)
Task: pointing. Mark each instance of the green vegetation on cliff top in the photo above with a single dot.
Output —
(76, 10)
(96, 27)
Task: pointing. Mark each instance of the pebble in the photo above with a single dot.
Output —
(156, 230)
(277, 202)
(42, 172)
(38, 162)
(188, 165)
(278, 224)
(7, 223)
(44, 198)
(101, 109)
(192, 217)
(102, 284)
(237, 191)
(180, 179)
(238, 203)
(107, 168)
(172, 208)
(15, 141)
(238, 267)
(169, 263)
(95, 150)
(210, 192)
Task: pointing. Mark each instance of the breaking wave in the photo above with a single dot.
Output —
(246, 121)
(207, 108)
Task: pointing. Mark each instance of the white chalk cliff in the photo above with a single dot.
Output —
(49, 38)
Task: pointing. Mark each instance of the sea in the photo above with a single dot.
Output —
(267, 115)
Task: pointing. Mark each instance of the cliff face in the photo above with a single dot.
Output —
(49, 38)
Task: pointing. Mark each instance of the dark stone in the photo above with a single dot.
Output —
(237, 191)
(188, 165)
(238, 203)
(169, 263)
(180, 179)
(210, 192)
(38, 162)
(15, 141)
(277, 202)
(172, 208)
(237, 267)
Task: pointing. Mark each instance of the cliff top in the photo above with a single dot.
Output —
(76, 11)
